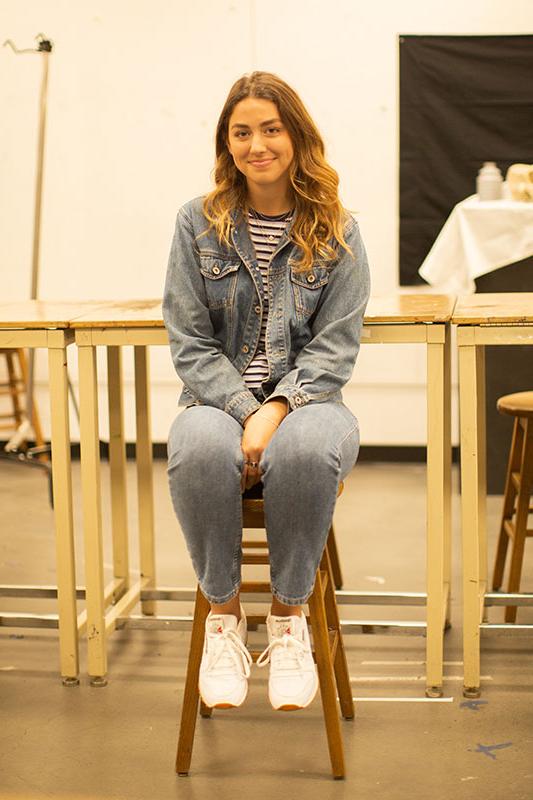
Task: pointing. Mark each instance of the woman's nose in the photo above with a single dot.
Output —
(257, 144)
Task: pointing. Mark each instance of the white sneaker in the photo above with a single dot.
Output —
(225, 666)
(293, 681)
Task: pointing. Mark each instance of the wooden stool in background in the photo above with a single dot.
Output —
(518, 487)
(328, 647)
(15, 388)
(334, 559)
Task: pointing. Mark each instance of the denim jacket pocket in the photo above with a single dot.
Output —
(220, 278)
(307, 288)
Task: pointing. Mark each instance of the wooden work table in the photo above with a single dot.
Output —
(122, 314)
(484, 319)
(410, 308)
(422, 319)
(43, 314)
(425, 319)
(400, 318)
(35, 324)
(136, 323)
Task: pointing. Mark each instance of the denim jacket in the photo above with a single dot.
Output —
(213, 303)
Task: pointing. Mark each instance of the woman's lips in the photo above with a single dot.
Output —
(263, 163)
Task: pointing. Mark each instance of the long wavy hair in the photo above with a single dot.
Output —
(319, 217)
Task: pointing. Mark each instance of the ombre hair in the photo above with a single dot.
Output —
(319, 217)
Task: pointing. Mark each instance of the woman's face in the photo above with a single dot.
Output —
(259, 143)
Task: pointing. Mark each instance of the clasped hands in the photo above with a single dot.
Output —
(259, 429)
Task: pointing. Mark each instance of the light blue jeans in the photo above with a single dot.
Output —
(313, 449)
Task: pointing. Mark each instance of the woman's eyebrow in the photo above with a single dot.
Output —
(266, 122)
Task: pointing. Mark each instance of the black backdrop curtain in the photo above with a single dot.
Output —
(463, 100)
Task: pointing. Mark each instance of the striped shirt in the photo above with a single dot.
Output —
(265, 233)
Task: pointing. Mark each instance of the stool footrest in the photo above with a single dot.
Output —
(255, 619)
(252, 519)
(255, 558)
(255, 544)
(508, 527)
(255, 587)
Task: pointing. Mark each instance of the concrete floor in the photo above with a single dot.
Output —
(119, 742)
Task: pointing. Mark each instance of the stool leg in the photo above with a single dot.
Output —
(340, 664)
(522, 511)
(508, 504)
(334, 559)
(326, 679)
(205, 711)
(13, 384)
(36, 421)
(191, 694)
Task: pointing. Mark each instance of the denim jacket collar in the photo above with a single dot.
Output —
(240, 237)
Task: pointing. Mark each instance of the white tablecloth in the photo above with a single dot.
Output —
(478, 237)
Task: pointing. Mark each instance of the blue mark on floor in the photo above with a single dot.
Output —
(487, 749)
(473, 705)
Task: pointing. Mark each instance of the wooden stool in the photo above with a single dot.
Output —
(518, 486)
(15, 388)
(328, 649)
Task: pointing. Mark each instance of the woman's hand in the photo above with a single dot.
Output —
(259, 429)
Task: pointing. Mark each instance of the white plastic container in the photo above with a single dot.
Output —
(489, 182)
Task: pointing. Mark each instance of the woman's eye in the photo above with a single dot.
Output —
(268, 131)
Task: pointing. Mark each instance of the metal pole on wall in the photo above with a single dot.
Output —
(44, 48)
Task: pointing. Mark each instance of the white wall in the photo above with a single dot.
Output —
(135, 90)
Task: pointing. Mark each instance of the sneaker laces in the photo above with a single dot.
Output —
(226, 650)
(285, 652)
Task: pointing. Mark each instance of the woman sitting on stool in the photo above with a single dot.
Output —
(266, 288)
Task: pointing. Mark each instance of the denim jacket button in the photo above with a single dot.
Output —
(245, 348)
(216, 270)
(257, 309)
(297, 401)
(310, 278)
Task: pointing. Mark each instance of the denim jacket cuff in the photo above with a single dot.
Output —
(295, 396)
(242, 405)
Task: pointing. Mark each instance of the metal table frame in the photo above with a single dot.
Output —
(108, 606)
(471, 341)
(67, 620)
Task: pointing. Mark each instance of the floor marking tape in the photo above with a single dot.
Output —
(403, 699)
(406, 678)
(407, 663)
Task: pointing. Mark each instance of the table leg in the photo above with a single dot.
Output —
(62, 488)
(482, 485)
(438, 501)
(92, 512)
(117, 464)
(144, 474)
(448, 476)
(473, 495)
